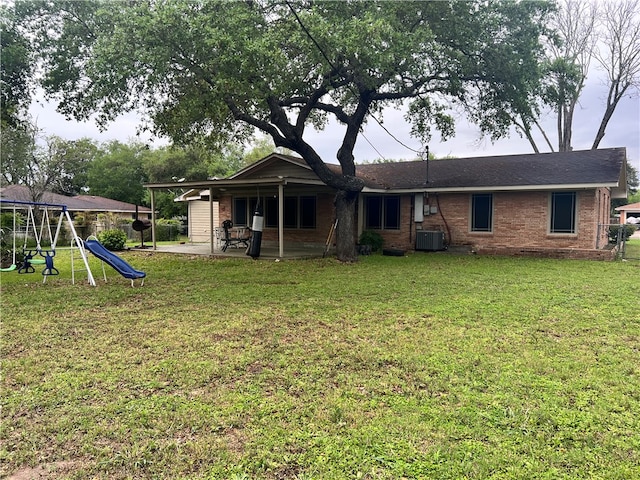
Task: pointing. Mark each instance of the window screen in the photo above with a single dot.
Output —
(392, 212)
(563, 212)
(240, 211)
(307, 212)
(481, 212)
(382, 212)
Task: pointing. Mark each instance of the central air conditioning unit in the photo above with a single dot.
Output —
(430, 240)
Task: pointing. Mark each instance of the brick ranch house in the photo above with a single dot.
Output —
(551, 204)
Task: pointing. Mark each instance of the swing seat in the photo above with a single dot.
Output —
(49, 269)
(29, 261)
(9, 269)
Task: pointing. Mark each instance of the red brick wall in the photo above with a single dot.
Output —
(520, 219)
(520, 223)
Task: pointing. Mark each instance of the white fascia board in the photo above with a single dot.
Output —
(303, 181)
(206, 184)
(513, 188)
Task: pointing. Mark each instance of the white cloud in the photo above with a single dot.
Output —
(623, 131)
(124, 128)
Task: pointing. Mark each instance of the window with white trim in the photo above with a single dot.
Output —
(482, 212)
(382, 212)
(563, 212)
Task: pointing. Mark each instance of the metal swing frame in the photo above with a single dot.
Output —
(64, 215)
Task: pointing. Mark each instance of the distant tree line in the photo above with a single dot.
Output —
(113, 169)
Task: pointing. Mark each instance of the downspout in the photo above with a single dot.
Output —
(212, 229)
(411, 218)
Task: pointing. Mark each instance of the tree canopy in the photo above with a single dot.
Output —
(583, 31)
(15, 70)
(223, 69)
(118, 172)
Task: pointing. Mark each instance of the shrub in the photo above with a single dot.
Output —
(627, 231)
(113, 239)
(373, 239)
(167, 230)
(6, 220)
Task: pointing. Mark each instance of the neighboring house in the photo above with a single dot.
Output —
(553, 204)
(80, 204)
(629, 213)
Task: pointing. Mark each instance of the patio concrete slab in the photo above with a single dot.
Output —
(266, 251)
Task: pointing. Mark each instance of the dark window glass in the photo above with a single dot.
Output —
(481, 212)
(373, 212)
(392, 212)
(382, 212)
(563, 212)
(290, 212)
(240, 211)
(307, 212)
(271, 212)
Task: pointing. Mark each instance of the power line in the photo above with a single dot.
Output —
(393, 136)
(372, 146)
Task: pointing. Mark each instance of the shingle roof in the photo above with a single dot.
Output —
(588, 167)
(86, 203)
(630, 207)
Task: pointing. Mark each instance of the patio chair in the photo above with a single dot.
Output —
(229, 240)
(218, 233)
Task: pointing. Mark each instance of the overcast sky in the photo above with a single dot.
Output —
(623, 131)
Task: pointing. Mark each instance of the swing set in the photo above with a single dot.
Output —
(38, 227)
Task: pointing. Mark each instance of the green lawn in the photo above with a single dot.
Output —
(430, 366)
(632, 249)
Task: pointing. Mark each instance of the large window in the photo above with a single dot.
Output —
(271, 212)
(308, 212)
(563, 212)
(240, 211)
(382, 212)
(299, 212)
(482, 212)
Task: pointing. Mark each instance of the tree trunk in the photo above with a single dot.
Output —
(608, 113)
(545, 136)
(346, 229)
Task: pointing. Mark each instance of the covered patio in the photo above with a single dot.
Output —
(297, 208)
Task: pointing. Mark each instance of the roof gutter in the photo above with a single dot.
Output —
(494, 188)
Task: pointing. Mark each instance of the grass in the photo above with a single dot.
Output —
(427, 366)
(632, 249)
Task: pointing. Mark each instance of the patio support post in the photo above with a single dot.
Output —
(281, 220)
(153, 218)
(212, 229)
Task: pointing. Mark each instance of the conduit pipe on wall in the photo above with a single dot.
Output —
(446, 225)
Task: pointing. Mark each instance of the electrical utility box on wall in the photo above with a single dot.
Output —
(430, 240)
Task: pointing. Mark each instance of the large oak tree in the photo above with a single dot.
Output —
(224, 69)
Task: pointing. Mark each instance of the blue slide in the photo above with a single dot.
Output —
(113, 260)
